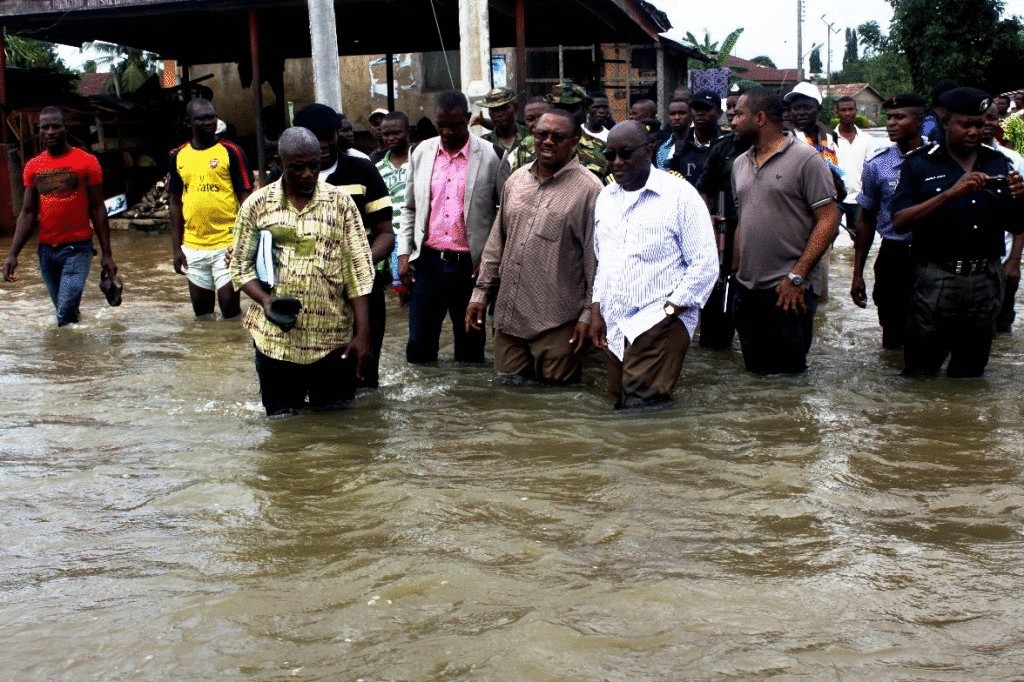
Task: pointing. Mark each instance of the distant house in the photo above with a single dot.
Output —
(869, 101)
(90, 84)
(781, 79)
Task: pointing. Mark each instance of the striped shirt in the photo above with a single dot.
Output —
(322, 259)
(653, 246)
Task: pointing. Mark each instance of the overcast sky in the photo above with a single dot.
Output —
(770, 25)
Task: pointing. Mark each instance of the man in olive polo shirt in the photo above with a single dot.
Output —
(787, 220)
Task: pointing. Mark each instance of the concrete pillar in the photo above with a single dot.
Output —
(474, 48)
(323, 34)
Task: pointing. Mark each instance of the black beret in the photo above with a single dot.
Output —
(318, 118)
(965, 101)
(904, 100)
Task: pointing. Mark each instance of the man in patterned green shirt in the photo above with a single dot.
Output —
(322, 259)
(394, 169)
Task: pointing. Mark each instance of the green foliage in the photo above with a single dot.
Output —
(828, 109)
(711, 49)
(764, 60)
(129, 66)
(30, 53)
(957, 40)
(815, 59)
(850, 55)
(883, 66)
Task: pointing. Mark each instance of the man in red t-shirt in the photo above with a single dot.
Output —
(63, 192)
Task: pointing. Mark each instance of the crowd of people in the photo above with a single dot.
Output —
(573, 232)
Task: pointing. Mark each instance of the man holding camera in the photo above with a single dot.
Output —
(957, 198)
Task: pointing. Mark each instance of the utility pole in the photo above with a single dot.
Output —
(800, 40)
(474, 48)
(828, 59)
(323, 34)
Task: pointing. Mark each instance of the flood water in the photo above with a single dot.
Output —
(846, 524)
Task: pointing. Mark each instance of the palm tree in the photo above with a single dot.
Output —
(129, 66)
(711, 49)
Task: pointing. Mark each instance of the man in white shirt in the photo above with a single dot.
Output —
(656, 266)
(853, 147)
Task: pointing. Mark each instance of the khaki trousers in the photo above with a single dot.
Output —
(650, 365)
(547, 357)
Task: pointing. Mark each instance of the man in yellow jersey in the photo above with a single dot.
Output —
(209, 181)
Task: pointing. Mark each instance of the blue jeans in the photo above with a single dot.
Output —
(65, 269)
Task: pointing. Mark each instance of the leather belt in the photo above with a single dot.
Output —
(966, 267)
(450, 256)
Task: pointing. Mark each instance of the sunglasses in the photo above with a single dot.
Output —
(624, 154)
(557, 138)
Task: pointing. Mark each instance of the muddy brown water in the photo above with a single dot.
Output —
(846, 524)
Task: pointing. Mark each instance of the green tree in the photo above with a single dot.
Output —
(882, 66)
(815, 59)
(764, 60)
(30, 53)
(850, 54)
(129, 66)
(949, 39)
(718, 54)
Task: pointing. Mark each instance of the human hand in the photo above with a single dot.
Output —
(475, 314)
(579, 337)
(968, 184)
(858, 292)
(9, 267)
(109, 266)
(791, 298)
(180, 262)
(359, 350)
(598, 330)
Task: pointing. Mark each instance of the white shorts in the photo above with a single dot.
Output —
(207, 268)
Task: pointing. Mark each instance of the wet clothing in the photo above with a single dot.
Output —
(650, 365)
(321, 258)
(62, 183)
(717, 325)
(284, 386)
(894, 267)
(547, 357)
(209, 182)
(958, 279)
(65, 270)
(773, 342)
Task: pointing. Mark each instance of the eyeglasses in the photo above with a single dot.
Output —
(625, 154)
(557, 138)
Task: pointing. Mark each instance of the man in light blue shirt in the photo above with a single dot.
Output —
(656, 266)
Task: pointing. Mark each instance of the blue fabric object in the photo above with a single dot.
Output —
(65, 269)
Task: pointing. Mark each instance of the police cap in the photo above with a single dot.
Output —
(965, 101)
(904, 100)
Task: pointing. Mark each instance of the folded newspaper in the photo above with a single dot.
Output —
(265, 259)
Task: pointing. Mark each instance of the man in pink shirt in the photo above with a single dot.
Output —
(449, 207)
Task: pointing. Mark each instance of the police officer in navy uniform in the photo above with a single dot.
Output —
(957, 198)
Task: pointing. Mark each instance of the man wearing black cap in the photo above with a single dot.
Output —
(686, 156)
(957, 198)
(717, 327)
(363, 182)
(894, 269)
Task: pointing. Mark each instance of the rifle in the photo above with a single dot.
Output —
(723, 268)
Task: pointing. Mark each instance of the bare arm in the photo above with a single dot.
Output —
(100, 224)
(866, 226)
(826, 227)
(383, 241)
(177, 217)
(26, 225)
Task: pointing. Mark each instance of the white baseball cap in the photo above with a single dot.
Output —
(805, 89)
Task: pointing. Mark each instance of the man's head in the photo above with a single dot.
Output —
(988, 134)
(534, 109)
(452, 119)
(202, 118)
(846, 110)
(628, 152)
(904, 114)
(736, 90)
(1018, 100)
(376, 116)
(643, 110)
(965, 117)
(323, 122)
(346, 134)
(706, 110)
(299, 151)
(598, 109)
(501, 104)
(52, 130)
(679, 117)
(394, 129)
(805, 104)
(682, 92)
(1003, 104)
(555, 135)
(757, 112)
